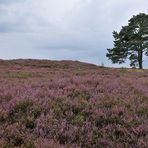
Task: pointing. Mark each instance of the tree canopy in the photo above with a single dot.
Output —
(131, 42)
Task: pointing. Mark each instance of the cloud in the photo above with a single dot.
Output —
(76, 29)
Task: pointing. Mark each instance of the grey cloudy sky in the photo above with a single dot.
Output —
(63, 29)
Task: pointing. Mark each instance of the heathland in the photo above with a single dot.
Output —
(72, 104)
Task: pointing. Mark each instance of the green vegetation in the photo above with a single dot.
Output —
(131, 42)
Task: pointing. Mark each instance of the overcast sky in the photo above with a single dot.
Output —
(63, 29)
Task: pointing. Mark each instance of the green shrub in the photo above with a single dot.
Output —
(142, 111)
(78, 119)
(30, 123)
(80, 95)
(14, 141)
(102, 121)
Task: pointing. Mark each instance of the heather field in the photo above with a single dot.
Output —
(50, 104)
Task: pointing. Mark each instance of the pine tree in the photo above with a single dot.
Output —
(131, 42)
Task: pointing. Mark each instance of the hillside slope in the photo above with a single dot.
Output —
(72, 104)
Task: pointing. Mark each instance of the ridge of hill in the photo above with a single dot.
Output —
(64, 64)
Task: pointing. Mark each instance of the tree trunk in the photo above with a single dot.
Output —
(140, 59)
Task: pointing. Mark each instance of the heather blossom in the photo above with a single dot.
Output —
(72, 104)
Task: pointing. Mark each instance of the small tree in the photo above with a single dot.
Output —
(131, 42)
